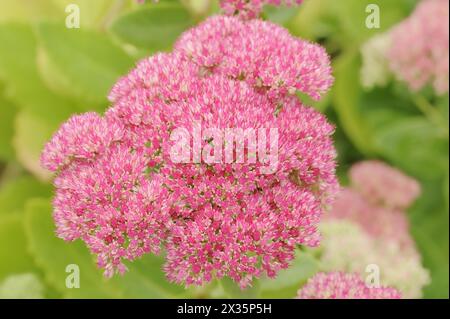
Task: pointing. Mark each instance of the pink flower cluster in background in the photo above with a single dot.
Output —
(118, 190)
(339, 285)
(376, 200)
(368, 225)
(383, 185)
(378, 221)
(419, 52)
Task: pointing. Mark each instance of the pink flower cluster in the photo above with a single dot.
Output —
(339, 285)
(250, 9)
(383, 185)
(419, 54)
(270, 60)
(118, 190)
(376, 200)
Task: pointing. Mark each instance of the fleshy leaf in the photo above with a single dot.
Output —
(15, 193)
(13, 253)
(415, 145)
(154, 27)
(346, 97)
(288, 281)
(8, 112)
(89, 62)
(232, 290)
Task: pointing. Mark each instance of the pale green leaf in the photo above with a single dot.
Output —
(154, 27)
(346, 97)
(232, 289)
(289, 280)
(415, 145)
(15, 193)
(13, 252)
(23, 85)
(280, 14)
(26, 10)
(7, 114)
(31, 134)
(92, 13)
(86, 62)
(145, 279)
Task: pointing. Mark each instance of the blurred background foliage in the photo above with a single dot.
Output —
(49, 72)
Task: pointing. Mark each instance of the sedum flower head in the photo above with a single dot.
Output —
(120, 191)
(81, 137)
(261, 53)
(419, 51)
(340, 285)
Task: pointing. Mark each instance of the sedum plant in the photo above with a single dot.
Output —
(119, 190)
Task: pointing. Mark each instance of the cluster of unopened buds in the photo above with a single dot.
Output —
(118, 189)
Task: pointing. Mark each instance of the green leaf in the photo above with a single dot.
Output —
(86, 63)
(443, 107)
(445, 190)
(344, 22)
(288, 281)
(14, 195)
(232, 290)
(352, 17)
(415, 145)
(280, 14)
(430, 228)
(41, 111)
(15, 12)
(53, 255)
(438, 289)
(91, 12)
(7, 114)
(320, 106)
(13, 253)
(18, 70)
(145, 279)
(154, 27)
(346, 97)
(31, 134)
(26, 11)
(316, 13)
